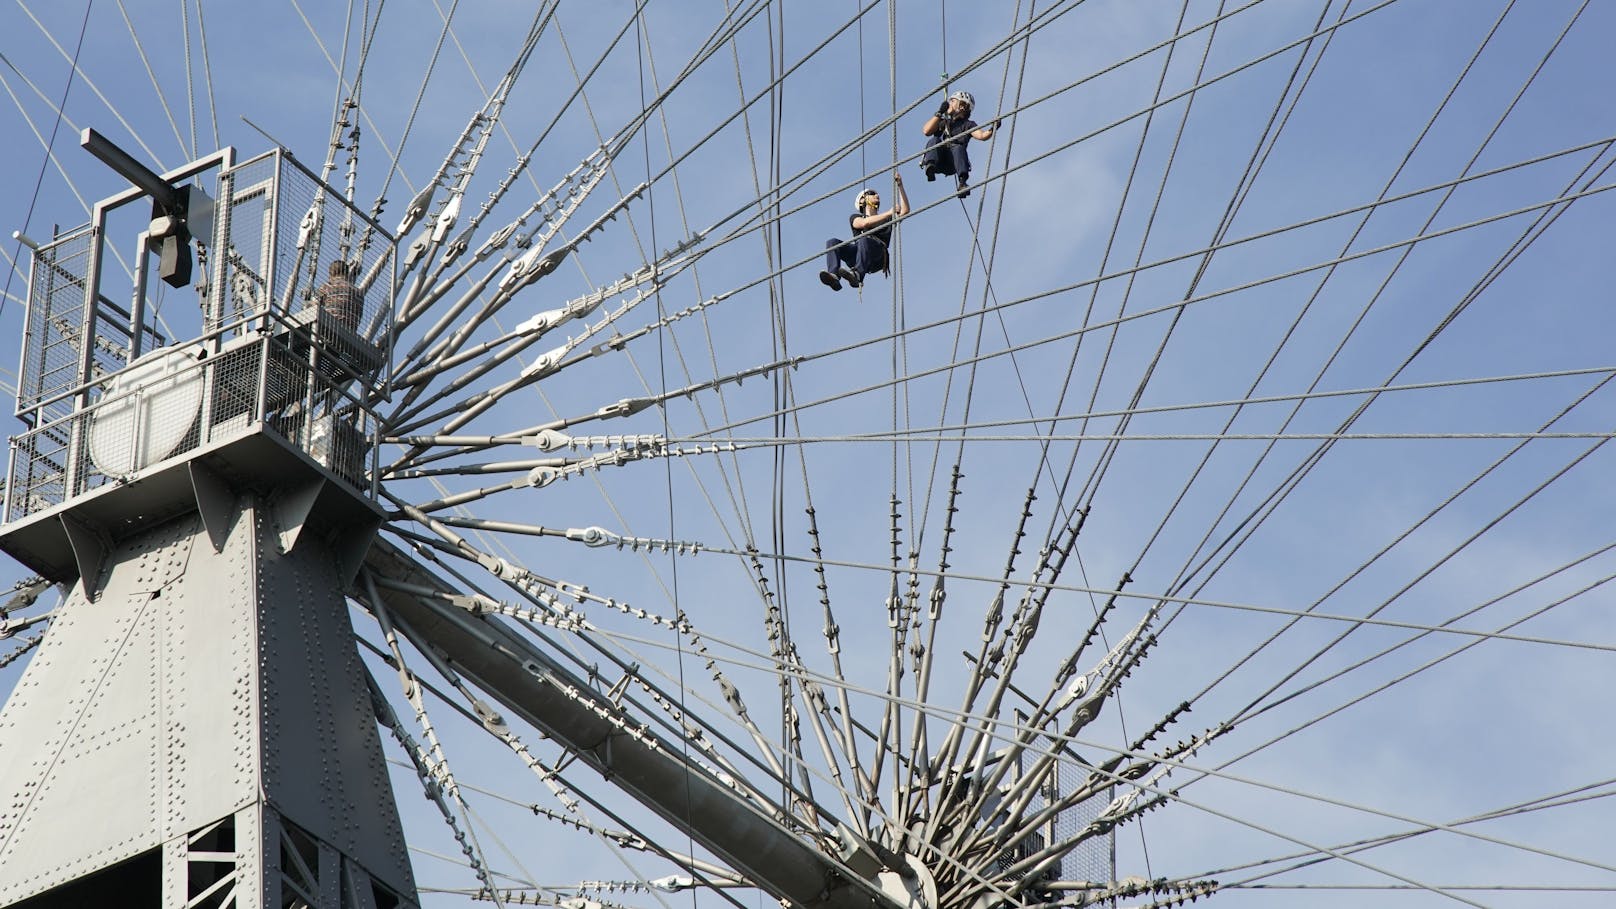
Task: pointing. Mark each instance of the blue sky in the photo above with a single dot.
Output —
(1110, 164)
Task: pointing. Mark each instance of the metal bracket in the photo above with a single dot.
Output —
(214, 501)
(293, 508)
(350, 545)
(89, 552)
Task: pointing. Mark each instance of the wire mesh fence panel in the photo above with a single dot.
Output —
(38, 474)
(53, 348)
(1094, 858)
(246, 232)
(294, 250)
(149, 414)
(342, 260)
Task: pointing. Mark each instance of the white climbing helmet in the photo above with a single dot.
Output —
(964, 98)
(858, 203)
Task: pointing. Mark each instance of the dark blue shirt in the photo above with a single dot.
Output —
(959, 130)
(882, 233)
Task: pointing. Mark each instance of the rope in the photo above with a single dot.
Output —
(790, 728)
(662, 375)
(863, 120)
(207, 74)
(1319, 287)
(673, 338)
(651, 61)
(162, 97)
(415, 108)
(1284, 489)
(190, 78)
(1172, 762)
(82, 76)
(1558, 799)
(39, 179)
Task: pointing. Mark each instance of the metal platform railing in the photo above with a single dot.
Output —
(177, 401)
(280, 340)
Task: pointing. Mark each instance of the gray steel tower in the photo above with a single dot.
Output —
(197, 730)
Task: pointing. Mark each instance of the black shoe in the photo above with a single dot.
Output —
(962, 186)
(852, 277)
(829, 280)
(930, 172)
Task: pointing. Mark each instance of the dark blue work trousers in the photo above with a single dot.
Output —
(947, 157)
(863, 254)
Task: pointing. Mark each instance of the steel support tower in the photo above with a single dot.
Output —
(197, 730)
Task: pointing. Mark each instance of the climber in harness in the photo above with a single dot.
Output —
(951, 129)
(872, 234)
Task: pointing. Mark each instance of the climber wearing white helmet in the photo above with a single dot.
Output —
(951, 129)
(872, 234)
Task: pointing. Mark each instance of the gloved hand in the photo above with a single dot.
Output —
(942, 111)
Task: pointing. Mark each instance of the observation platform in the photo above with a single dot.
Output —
(274, 393)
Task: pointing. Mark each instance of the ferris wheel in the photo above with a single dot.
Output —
(1207, 500)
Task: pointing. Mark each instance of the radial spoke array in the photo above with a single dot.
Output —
(1231, 533)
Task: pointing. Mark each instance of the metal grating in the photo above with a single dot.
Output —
(281, 230)
(245, 215)
(1092, 860)
(1095, 859)
(54, 362)
(52, 348)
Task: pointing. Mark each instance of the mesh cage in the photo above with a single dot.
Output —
(54, 330)
(1093, 860)
(278, 350)
(312, 406)
(38, 475)
(246, 254)
(281, 230)
(52, 345)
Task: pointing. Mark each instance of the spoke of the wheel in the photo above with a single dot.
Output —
(598, 637)
(1173, 307)
(971, 431)
(162, 96)
(1300, 860)
(734, 487)
(1290, 483)
(463, 549)
(44, 143)
(820, 713)
(1338, 802)
(1429, 664)
(1596, 646)
(601, 633)
(565, 794)
(89, 82)
(1259, 157)
(1369, 304)
(1029, 785)
(531, 621)
(1127, 188)
(1340, 855)
(1247, 65)
(896, 750)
